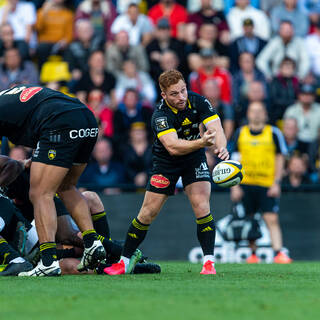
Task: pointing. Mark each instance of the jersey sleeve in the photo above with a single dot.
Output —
(206, 110)
(162, 124)
(279, 141)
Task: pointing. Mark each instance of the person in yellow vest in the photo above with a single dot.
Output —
(260, 148)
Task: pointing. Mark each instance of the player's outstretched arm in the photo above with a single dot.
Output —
(180, 147)
(221, 141)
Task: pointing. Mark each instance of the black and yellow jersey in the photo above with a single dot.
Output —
(185, 123)
(257, 152)
(24, 109)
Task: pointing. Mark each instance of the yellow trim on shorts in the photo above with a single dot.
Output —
(160, 134)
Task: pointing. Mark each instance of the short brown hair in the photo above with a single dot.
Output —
(168, 78)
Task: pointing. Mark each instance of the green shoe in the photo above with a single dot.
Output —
(135, 258)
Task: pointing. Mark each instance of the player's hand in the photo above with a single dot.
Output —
(274, 191)
(26, 163)
(208, 138)
(222, 153)
(236, 194)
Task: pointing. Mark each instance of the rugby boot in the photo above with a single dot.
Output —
(208, 268)
(253, 259)
(92, 256)
(282, 258)
(14, 268)
(43, 271)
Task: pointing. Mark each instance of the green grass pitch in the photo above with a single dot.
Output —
(237, 292)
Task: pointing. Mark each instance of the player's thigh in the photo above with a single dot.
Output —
(199, 197)
(151, 206)
(71, 178)
(45, 179)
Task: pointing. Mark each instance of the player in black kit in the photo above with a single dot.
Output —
(64, 132)
(178, 151)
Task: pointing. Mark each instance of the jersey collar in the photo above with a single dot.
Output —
(175, 110)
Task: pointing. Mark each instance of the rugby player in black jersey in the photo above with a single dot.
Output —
(63, 131)
(178, 150)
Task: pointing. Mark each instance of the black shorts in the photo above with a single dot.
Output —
(68, 139)
(164, 174)
(255, 199)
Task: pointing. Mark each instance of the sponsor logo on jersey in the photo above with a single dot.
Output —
(52, 154)
(162, 123)
(159, 181)
(202, 171)
(28, 93)
(186, 132)
(84, 133)
(186, 122)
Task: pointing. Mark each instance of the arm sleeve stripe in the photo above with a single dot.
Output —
(162, 133)
(214, 117)
(282, 142)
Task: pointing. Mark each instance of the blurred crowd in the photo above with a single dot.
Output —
(110, 53)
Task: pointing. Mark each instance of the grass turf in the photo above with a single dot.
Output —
(237, 292)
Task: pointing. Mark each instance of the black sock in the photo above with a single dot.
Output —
(100, 224)
(253, 251)
(206, 233)
(112, 249)
(276, 252)
(135, 235)
(48, 251)
(7, 253)
(66, 253)
(89, 236)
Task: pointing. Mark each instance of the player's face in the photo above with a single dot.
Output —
(176, 95)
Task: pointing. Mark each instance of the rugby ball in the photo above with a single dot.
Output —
(227, 173)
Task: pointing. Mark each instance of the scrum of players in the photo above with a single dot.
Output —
(19, 250)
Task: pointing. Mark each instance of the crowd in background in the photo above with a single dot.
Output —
(109, 54)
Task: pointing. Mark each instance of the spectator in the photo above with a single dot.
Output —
(307, 114)
(129, 111)
(313, 48)
(13, 71)
(121, 50)
(122, 5)
(79, 50)
(247, 73)
(211, 90)
(246, 43)
(209, 70)
(242, 11)
(103, 113)
(290, 133)
(7, 42)
(138, 80)
(312, 9)
(207, 14)
(289, 11)
(103, 174)
(283, 90)
(268, 5)
(97, 78)
(54, 29)
(21, 16)
(137, 155)
(176, 14)
(138, 26)
(284, 45)
(296, 175)
(207, 39)
(256, 93)
(101, 13)
(161, 43)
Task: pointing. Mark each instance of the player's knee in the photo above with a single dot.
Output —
(38, 194)
(271, 219)
(147, 214)
(201, 208)
(92, 199)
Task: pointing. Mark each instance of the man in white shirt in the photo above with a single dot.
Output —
(138, 26)
(244, 10)
(313, 48)
(21, 16)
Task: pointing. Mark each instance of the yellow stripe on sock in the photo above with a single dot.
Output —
(3, 241)
(45, 246)
(101, 238)
(84, 233)
(139, 226)
(205, 220)
(97, 216)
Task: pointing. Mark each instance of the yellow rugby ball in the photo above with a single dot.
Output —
(227, 173)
